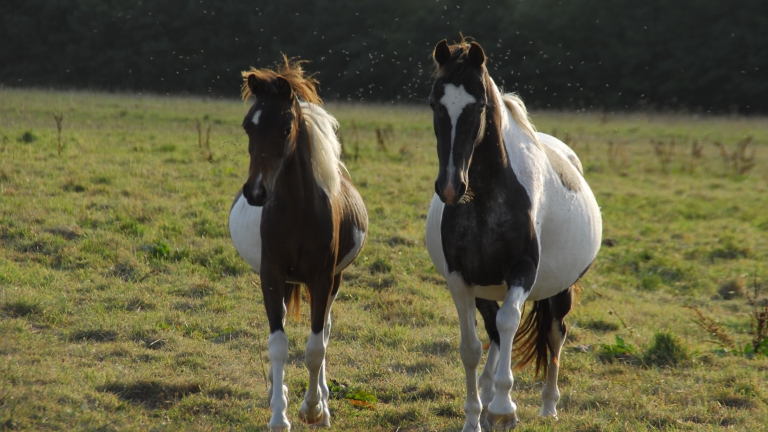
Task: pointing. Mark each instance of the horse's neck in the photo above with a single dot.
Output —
(296, 185)
(490, 156)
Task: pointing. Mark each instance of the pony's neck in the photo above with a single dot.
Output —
(296, 183)
(490, 156)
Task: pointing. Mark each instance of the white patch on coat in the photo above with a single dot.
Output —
(359, 237)
(245, 230)
(455, 99)
(255, 118)
(434, 237)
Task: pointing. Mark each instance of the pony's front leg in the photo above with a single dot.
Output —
(470, 348)
(315, 407)
(272, 287)
(502, 411)
(488, 309)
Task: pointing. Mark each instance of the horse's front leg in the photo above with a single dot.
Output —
(314, 410)
(272, 287)
(470, 348)
(488, 309)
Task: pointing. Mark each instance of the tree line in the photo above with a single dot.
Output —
(706, 55)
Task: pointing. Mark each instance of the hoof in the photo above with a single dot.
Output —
(504, 422)
(314, 417)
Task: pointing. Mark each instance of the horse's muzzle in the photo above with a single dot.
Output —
(448, 194)
(255, 198)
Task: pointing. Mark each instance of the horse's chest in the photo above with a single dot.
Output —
(481, 240)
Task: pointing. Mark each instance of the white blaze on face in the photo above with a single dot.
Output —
(255, 118)
(455, 99)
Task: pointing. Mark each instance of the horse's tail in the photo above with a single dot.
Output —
(292, 299)
(532, 337)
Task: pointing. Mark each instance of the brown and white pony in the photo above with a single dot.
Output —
(512, 220)
(297, 221)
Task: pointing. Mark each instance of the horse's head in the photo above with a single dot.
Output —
(458, 102)
(271, 125)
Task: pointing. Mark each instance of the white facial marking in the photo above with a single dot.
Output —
(255, 118)
(455, 99)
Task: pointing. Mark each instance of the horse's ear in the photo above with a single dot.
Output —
(254, 84)
(283, 88)
(442, 53)
(476, 54)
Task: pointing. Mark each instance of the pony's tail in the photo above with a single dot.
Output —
(292, 299)
(532, 338)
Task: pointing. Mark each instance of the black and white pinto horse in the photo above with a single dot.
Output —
(298, 220)
(512, 220)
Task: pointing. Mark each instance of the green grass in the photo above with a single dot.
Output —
(124, 306)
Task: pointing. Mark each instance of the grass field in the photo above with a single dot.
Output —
(124, 306)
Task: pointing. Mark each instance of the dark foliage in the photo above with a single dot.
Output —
(618, 54)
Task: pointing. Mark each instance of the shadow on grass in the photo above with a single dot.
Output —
(156, 394)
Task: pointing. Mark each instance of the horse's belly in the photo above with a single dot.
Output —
(245, 230)
(569, 239)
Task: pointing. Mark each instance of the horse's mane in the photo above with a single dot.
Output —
(291, 71)
(326, 149)
(517, 108)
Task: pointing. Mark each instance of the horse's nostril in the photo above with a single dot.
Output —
(462, 189)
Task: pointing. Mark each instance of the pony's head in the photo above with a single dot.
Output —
(458, 100)
(272, 123)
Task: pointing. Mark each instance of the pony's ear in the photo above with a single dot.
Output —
(254, 84)
(442, 53)
(476, 54)
(283, 88)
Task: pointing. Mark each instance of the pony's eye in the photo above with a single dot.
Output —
(286, 131)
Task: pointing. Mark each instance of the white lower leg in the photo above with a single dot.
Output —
(507, 322)
(278, 353)
(487, 389)
(550, 394)
(470, 349)
(312, 409)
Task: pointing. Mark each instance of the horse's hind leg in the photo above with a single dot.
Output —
(314, 410)
(560, 305)
(488, 309)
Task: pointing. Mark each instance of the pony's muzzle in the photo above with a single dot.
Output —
(256, 197)
(449, 194)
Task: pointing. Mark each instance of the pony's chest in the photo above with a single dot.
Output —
(482, 241)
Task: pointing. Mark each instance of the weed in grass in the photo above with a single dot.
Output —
(27, 137)
(59, 118)
(738, 162)
(621, 351)
(758, 325)
(713, 328)
(666, 350)
(204, 144)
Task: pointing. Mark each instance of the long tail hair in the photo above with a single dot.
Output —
(532, 338)
(292, 299)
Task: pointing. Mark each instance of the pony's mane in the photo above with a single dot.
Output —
(517, 108)
(291, 71)
(326, 149)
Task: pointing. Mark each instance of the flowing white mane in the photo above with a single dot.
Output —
(326, 149)
(517, 109)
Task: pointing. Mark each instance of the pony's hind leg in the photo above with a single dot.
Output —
(470, 348)
(488, 309)
(560, 305)
(314, 408)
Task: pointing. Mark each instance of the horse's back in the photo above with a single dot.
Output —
(245, 230)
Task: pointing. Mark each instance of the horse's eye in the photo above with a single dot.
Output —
(286, 131)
